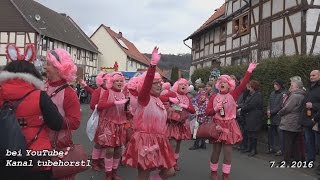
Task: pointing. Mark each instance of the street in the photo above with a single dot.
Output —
(195, 164)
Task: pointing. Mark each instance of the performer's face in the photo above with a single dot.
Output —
(156, 88)
(51, 72)
(118, 84)
(183, 88)
(224, 86)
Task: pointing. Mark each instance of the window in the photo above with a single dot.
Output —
(240, 25)
(223, 32)
(78, 53)
(196, 45)
(69, 48)
(91, 57)
(51, 45)
(44, 44)
(265, 36)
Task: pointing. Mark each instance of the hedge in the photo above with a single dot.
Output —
(277, 68)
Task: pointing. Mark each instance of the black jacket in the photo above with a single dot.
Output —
(253, 111)
(274, 105)
(313, 96)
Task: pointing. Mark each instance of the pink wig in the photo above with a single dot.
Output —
(100, 78)
(228, 79)
(141, 78)
(180, 81)
(166, 86)
(61, 59)
(133, 83)
(114, 77)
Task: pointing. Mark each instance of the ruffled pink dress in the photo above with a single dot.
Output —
(149, 147)
(111, 130)
(231, 133)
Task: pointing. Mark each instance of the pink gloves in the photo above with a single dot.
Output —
(251, 67)
(174, 100)
(184, 106)
(155, 56)
(218, 107)
(123, 101)
(83, 83)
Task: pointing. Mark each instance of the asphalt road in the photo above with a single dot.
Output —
(195, 164)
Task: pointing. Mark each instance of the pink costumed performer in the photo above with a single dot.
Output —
(111, 132)
(149, 148)
(178, 124)
(222, 106)
(98, 152)
(61, 71)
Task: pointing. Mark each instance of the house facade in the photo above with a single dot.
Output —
(241, 31)
(115, 48)
(28, 22)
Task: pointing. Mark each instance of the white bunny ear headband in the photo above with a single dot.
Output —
(13, 53)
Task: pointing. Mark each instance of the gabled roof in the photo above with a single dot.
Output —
(53, 24)
(130, 48)
(218, 13)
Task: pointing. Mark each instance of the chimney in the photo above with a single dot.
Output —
(120, 34)
(63, 14)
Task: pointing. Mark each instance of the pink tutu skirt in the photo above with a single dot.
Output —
(231, 133)
(110, 134)
(148, 151)
(178, 130)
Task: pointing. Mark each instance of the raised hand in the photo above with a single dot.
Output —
(251, 67)
(218, 107)
(174, 100)
(83, 83)
(184, 106)
(155, 56)
(123, 101)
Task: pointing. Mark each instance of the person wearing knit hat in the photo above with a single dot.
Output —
(275, 140)
(222, 107)
(149, 147)
(178, 114)
(61, 70)
(111, 130)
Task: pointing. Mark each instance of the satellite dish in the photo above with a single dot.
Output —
(37, 17)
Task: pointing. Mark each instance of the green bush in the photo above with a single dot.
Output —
(203, 73)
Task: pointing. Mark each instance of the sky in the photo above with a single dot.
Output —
(146, 23)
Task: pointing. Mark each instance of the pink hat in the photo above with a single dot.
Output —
(228, 79)
(180, 81)
(133, 83)
(111, 77)
(157, 77)
(100, 78)
(61, 60)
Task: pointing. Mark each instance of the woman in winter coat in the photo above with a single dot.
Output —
(111, 131)
(61, 71)
(252, 110)
(222, 106)
(290, 120)
(149, 148)
(179, 129)
(36, 113)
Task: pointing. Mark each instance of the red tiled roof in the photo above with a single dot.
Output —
(218, 13)
(132, 51)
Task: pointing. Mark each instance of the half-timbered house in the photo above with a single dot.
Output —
(241, 31)
(25, 22)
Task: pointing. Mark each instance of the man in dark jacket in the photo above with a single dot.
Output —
(311, 108)
(274, 106)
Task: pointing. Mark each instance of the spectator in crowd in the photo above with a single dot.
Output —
(290, 120)
(311, 107)
(274, 106)
(241, 121)
(253, 115)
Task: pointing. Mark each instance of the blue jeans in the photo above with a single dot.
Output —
(310, 142)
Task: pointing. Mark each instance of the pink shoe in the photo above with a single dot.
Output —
(214, 175)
